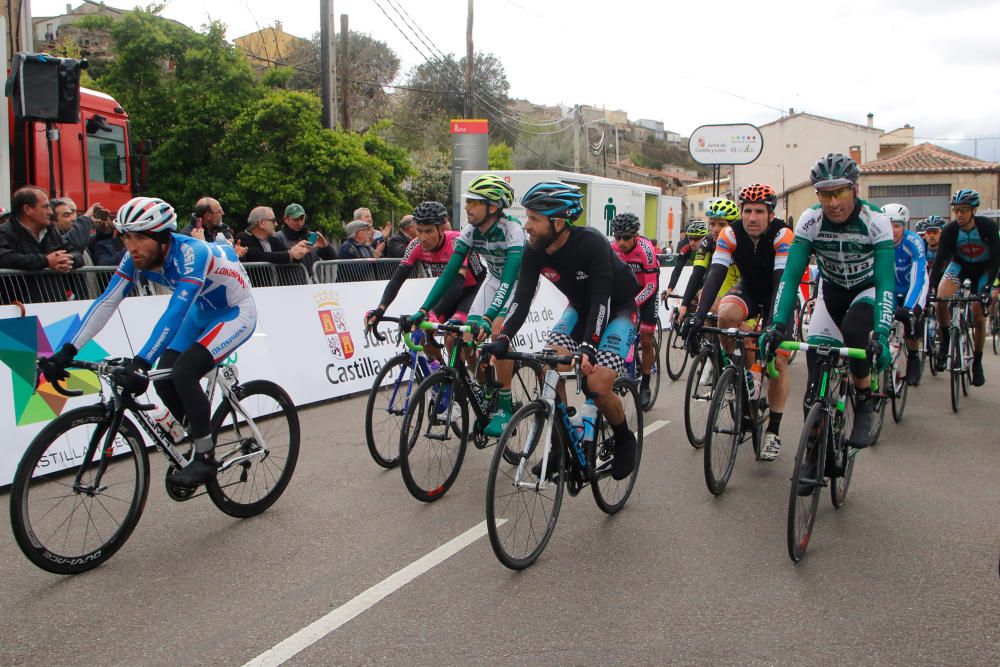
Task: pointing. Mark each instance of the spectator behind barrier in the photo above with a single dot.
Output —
(262, 243)
(206, 222)
(4, 215)
(296, 230)
(106, 248)
(357, 244)
(30, 242)
(397, 243)
(76, 229)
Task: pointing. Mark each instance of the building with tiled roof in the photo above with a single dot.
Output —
(929, 159)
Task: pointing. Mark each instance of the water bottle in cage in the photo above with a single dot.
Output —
(170, 426)
(588, 416)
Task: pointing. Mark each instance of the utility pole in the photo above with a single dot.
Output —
(469, 59)
(617, 155)
(345, 74)
(328, 64)
(578, 119)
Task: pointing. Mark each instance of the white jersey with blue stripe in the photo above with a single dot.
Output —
(911, 269)
(202, 275)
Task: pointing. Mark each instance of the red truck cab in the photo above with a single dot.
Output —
(91, 161)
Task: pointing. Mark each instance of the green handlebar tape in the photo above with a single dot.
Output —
(433, 326)
(410, 345)
(851, 352)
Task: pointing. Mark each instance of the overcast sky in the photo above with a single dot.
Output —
(925, 62)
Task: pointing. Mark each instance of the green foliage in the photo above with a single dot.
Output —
(501, 157)
(432, 181)
(649, 163)
(277, 77)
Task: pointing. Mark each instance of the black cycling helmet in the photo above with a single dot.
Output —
(430, 213)
(934, 222)
(625, 223)
(834, 171)
(965, 197)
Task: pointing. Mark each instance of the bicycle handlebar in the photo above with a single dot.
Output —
(103, 368)
(434, 326)
(848, 352)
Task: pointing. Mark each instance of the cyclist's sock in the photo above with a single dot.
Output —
(864, 395)
(506, 400)
(774, 422)
(203, 445)
(645, 380)
(620, 430)
(977, 358)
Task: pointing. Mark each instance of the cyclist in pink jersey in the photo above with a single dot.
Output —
(640, 256)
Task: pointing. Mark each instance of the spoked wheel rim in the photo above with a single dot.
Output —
(611, 494)
(724, 432)
(802, 509)
(702, 378)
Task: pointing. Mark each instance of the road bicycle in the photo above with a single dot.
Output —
(738, 410)
(958, 363)
(676, 347)
(435, 430)
(929, 339)
(82, 484)
(702, 376)
(542, 453)
(633, 367)
(824, 457)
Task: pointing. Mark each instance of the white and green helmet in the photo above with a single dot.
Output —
(491, 188)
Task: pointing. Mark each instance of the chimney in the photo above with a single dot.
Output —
(871, 119)
(791, 111)
(277, 26)
(855, 151)
(69, 8)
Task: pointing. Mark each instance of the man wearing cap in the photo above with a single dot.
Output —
(296, 231)
(262, 243)
(398, 242)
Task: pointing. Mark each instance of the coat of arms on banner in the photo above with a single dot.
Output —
(334, 322)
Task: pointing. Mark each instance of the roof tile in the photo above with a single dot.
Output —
(927, 158)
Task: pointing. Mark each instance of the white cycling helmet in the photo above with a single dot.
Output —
(897, 213)
(146, 214)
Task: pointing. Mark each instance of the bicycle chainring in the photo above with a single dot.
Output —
(178, 493)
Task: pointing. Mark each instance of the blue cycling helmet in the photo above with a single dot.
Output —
(934, 222)
(965, 197)
(554, 199)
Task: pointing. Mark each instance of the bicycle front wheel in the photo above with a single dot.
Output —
(843, 462)
(387, 402)
(966, 361)
(611, 494)
(677, 354)
(900, 389)
(65, 526)
(807, 479)
(995, 330)
(956, 371)
(521, 509)
(254, 480)
(881, 401)
(654, 376)
(698, 396)
(725, 420)
(434, 436)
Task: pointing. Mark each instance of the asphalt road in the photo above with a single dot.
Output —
(905, 573)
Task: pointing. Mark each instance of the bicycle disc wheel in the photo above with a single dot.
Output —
(842, 426)
(386, 404)
(802, 509)
(899, 387)
(249, 487)
(956, 372)
(434, 436)
(725, 419)
(677, 354)
(521, 510)
(611, 494)
(65, 528)
(654, 376)
(698, 396)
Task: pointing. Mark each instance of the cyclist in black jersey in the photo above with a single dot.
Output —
(695, 232)
(599, 322)
(969, 248)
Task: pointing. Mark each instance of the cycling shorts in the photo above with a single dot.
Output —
(649, 315)
(484, 297)
(832, 305)
(461, 311)
(218, 331)
(958, 272)
(616, 342)
(753, 304)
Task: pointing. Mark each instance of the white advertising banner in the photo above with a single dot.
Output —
(740, 143)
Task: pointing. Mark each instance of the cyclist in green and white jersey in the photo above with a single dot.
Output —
(499, 241)
(856, 256)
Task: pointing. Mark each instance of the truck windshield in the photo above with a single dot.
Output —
(106, 154)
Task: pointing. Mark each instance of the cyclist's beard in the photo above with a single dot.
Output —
(155, 262)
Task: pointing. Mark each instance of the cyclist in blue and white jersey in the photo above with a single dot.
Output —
(210, 314)
(911, 284)
(969, 249)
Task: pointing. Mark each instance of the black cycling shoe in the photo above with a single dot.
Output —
(644, 394)
(864, 425)
(201, 469)
(623, 463)
(553, 471)
(913, 369)
(978, 377)
(942, 353)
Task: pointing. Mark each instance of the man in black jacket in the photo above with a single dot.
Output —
(398, 242)
(296, 230)
(206, 221)
(263, 244)
(29, 242)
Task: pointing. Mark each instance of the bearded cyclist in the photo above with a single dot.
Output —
(720, 213)
(639, 255)
(433, 248)
(599, 322)
(852, 241)
(499, 241)
(911, 284)
(758, 245)
(210, 314)
(969, 249)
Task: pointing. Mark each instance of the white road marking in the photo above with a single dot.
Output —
(320, 628)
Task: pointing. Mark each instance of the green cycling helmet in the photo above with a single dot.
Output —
(697, 229)
(723, 208)
(491, 188)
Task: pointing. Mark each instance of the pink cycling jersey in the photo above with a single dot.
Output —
(436, 260)
(643, 262)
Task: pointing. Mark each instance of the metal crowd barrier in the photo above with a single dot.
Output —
(355, 270)
(50, 286)
(265, 274)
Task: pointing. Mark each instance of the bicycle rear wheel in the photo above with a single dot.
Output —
(966, 361)
(995, 330)
(900, 388)
(654, 376)
(526, 383)
(434, 436)
(677, 354)
(698, 396)
(955, 363)
(250, 486)
(521, 509)
(611, 494)
(882, 401)
(809, 475)
(385, 408)
(725, 419)
(930, 345)
(68, 528)
(843, 454)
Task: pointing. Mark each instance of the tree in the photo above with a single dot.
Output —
(432, 181)
(276, 151)
(501, 157)
(373, 66)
